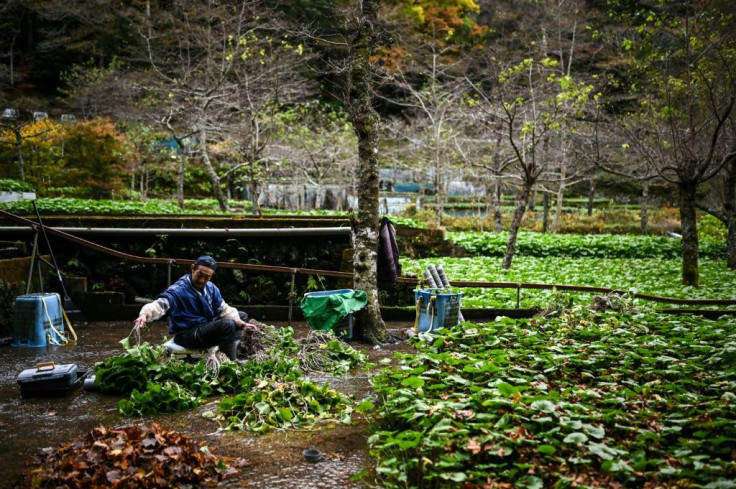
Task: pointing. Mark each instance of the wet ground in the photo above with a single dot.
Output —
(274, 461)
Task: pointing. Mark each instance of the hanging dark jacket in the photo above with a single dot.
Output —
(388, 266)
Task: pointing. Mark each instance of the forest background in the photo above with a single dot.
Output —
(246, 99)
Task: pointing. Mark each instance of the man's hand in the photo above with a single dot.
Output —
(140, 321)
(240, 324)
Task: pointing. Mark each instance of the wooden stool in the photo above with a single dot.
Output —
(178, 350)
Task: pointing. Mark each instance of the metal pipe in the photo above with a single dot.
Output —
(33, 262)
(193, 232)
(174, 261)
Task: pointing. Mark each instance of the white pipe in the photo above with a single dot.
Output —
(193, 232)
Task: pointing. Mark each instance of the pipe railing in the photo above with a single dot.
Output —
(349, 276)
(326, 231)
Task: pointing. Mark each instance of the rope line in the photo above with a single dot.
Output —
(416, 316)
(50, 337)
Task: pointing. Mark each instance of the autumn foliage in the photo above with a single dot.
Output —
(94, 157)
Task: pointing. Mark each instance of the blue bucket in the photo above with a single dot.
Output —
(38, 320)
(436, 310)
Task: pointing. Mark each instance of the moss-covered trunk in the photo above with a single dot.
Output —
(365, 123)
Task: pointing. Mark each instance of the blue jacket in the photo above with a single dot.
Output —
(190, 308)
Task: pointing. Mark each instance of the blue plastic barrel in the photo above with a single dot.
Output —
(35, 314)
(436, 310)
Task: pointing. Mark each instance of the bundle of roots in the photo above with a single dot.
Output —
(313, 355)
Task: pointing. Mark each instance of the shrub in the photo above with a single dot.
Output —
(8, 292)
(10, 185)
(583, 246)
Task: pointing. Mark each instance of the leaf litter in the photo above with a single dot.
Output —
(134, 456)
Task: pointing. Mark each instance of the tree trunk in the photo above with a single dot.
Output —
(689, 234)
(591, 195)
(145, 184)
(515, 225)
(12, 61)
(731, 242)
(365, 123)
(180, 178)
(255, 194)
(214, 178)
(729, 206)
(560, 199)
(438, 208)
(439, 200)
(294, 195)
(497, 224)
(318, 197)
(644, 215)
(545, 212)
(19, 153)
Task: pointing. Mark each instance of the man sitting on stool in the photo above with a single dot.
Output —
(198, 316)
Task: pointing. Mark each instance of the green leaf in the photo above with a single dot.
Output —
(601, 450)
(616, 466)
(595, 431)
(544, 406)
(576, 438)
(721, 484)
(263, 407)
(458, 380)
(506, 389)
(413, 382)
(546, 449)
(454, 476)
(365, 406)
(286, 413)
(529, 482)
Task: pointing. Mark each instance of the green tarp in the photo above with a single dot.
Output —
(323, 310)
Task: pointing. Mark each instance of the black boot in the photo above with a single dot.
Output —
(231, 351)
